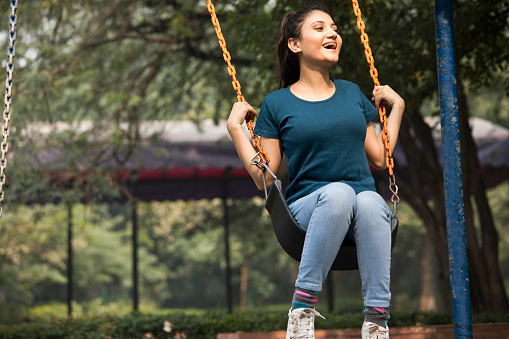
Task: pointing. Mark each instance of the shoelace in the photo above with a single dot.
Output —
(302, 324)
(377, 332)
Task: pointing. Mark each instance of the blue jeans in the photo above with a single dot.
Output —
(332, 213)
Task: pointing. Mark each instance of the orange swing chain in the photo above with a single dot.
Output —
(263, 157)
(381, 110)
(373, 72)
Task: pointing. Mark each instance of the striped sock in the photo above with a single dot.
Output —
(303, 298)
(377, 315)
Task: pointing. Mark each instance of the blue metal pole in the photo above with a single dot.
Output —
(455, 213)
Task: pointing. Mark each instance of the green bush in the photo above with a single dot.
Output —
(203, 325)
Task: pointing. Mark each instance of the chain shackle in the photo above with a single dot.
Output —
(4, 146)
(236, 85)
(381, 110)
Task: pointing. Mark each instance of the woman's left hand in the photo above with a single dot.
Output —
(387, 95)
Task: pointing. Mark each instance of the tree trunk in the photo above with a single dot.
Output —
(487, 286)
(423, 188)
(428, 301)
(243, 286)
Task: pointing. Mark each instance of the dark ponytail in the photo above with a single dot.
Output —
(289, 68)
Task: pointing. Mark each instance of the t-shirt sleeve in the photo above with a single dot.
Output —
(370, 111)
(266, 125)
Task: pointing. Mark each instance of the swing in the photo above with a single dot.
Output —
(288, 232)
(8, 91)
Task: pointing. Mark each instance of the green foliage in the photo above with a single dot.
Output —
(491, 103)
(188, 237)
(118, 63)
(177, 324)
(33, 266)
(499, 203)
(181, 259)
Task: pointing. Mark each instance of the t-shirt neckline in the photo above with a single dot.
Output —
(318, 101)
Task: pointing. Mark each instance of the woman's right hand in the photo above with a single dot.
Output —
(238, 114)
(244, 145)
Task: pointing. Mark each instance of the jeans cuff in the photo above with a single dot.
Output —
(384, 304)
(311, 287)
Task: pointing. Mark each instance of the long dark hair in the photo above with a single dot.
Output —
(289, 69)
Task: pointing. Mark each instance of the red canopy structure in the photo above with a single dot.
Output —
(187, 160)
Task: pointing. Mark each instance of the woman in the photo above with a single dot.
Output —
(325, 128)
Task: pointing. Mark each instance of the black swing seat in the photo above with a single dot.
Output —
(291, 236)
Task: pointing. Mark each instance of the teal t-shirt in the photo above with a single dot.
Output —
(323, 140)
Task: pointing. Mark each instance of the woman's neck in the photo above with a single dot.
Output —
(313, 85)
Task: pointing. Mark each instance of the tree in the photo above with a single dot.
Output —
(33, 258)
(113, 63)
(188, 238)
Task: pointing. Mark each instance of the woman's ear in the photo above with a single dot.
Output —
(294, 45)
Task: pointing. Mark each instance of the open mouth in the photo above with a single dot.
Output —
(330, 45)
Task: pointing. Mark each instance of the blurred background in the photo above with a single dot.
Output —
(123, 191)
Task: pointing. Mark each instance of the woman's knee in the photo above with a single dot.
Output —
(371, 210)
(371, 202)
(338, 196)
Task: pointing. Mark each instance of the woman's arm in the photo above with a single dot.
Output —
(245, 149)
(374, 145)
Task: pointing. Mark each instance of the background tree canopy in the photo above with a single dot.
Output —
(118, 63)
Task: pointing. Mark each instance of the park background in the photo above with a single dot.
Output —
(90, 76)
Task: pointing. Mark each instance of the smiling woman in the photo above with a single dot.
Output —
(324, 127)
(318, 45)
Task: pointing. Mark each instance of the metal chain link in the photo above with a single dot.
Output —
(8, 93)
(261, 155)
(381, 110)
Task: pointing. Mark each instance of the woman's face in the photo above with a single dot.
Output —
(319, 42)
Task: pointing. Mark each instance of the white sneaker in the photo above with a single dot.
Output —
(301, 323)
(373, 331)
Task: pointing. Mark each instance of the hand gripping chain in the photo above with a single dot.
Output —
(8, 92)
(381, 110)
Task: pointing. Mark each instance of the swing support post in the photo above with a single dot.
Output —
(455, 213)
